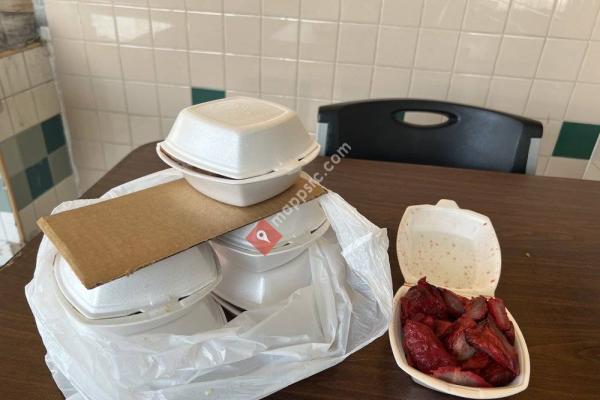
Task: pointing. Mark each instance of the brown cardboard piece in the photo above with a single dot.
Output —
(116, 237)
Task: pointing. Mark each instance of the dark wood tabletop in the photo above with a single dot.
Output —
(549, 232)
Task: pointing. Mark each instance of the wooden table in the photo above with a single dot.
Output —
(549, 231)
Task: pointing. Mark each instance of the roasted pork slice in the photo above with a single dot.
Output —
(426, 351)
(460, 377)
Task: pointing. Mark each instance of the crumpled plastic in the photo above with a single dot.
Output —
(347, 306)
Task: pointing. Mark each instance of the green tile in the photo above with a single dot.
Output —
(39, 178)
(21, 191)
(60, 164)
(576, 140)
(54, 133)
(31, 146)
(12, 156)
(200, 95)
(4, 202)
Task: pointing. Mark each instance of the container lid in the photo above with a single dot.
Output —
(238, 137)
(454, 248)
(189, 272)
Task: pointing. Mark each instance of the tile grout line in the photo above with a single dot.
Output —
(417, 44)
(455, 61)
(297, 61)
(337, 51)
(502, 34)
(376, 50)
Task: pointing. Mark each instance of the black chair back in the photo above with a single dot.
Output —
(471, 137)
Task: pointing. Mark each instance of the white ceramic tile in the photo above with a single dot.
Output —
(357, 43)
(242, 6)
(169, 29)
(508, 94)
(574, 19)
(328, 10)
(527, 17)
(431, 85)
(486, 15)
(46, 100)
(10, 227)
(70, 57)
(596, 32)
(242, 73)
(590, 71)
(595, 157)
(142, 98)
(144, 129)
(204, 5)
(77, 91)
(171, 66)
(542, 163)
(477, 53)
(556, 52)
(242, 34)
(44, 204)
(565, 167)
(548, 99)
(279, 37)
(109, 94)
(63, 19)
(585, 103)
(308, 110)
(22, 111)
(6, 129)
(133, 25)
(592, 172)
(287, 101)
(447, 14)
(390, 82)
(423, 118)
(278, 76)
(114, 127)
(87, 178)
(83, 124)
(113, 153)
(103, 60)
(519, 56)
(28, 218)
(352, 82)
(168, 4)
(315, 79)
(173, 99)
(137, 63)
(318, 40)
(278, 8)
(402, 12)
(13, 74)
(551, 131)
(38, 65)
(207, 70)
(436, 49)
(205, 31)
(66, 190)
(139, 3)
(396, 46)
(469, 89)
(165, 126)
(366, 11)
(87, 154)
(98, 22)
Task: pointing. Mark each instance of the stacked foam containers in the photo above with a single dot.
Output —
(239, 151)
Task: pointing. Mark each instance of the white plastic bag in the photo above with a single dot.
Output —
(347, 306)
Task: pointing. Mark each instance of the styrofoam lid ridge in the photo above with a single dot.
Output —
(164, 282)
(454, 248)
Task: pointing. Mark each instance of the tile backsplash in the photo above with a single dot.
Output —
(126, 67)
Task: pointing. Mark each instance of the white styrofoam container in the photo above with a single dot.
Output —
(248, 290)
(227, 305)
(239, 137)
(293, 226)
(456, 249)
(240, 192)
(192, 271)
(254, 261)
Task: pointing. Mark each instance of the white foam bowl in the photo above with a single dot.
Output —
(192, 271)
(254, 261)
(456, 249)
(239, 137)
(293, 226)
(240, 192)
(249, 290)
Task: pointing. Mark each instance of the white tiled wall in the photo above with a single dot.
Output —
(126, 66)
